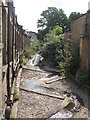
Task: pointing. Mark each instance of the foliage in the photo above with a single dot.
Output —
(53, 17)
(74, 15)
(29, 51)
(42, 33)
(16, 95)
(71, 58)
(49, 19)
(66, 55)
(83, 76)
(53, 50)
(50, 54)
(24, 61)
(54, 35)
(26, 52)
(74, 61)
(61, 54)
(57, 30)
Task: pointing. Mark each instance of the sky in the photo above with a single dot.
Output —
(28, 11)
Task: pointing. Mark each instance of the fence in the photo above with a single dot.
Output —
(12, 42)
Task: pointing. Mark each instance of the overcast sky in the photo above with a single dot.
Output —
(28, 11)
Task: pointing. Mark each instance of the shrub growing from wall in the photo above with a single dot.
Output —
(71, 58)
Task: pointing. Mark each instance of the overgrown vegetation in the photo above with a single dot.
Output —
(16, 95)
(74, 60)
(71, 58)
(53, 50)
(61, 54)
(29, 51)
(58, 53)
(53, 17)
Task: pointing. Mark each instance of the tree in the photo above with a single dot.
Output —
(74, 15)
(57, 30)
(50, 18)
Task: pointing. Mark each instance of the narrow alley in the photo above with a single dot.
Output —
(44, 60)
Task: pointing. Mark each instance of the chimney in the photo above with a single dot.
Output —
(89, 5)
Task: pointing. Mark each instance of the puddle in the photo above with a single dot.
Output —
(62, 114)
(34, 84)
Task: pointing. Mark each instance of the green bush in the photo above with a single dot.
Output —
(26, 52)
(16, 95)
(74, 61)
(83, 77)
(70, 58)
(29, 51)
(53, 51)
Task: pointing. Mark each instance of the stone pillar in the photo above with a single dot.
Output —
(0, 59)
(83, 53)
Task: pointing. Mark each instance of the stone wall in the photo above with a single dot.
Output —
(79, 31)
(77, 28)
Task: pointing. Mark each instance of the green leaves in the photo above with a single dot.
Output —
(51, 18)
(72, 57)
(57, 30)
(53, 51)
